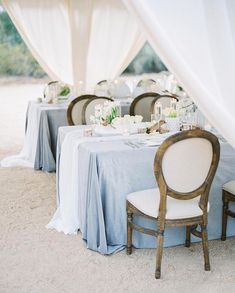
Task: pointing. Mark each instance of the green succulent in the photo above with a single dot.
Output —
(65, 90)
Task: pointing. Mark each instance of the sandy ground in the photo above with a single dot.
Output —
(34, 259)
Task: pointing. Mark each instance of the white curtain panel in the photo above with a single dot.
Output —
(44, 26)
(115, 40)
(77, 40)
(196, 41)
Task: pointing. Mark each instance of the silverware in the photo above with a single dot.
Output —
(132, 144)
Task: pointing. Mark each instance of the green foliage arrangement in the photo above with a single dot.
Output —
(65, 90)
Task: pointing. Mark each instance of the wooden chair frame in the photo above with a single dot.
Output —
(88, 102)
(146, 95)
(102, 81)
(73, 103)
(163, 96)
(150, 79)
(190, 223)
(48, 84)
(227, 197)
(140, 97)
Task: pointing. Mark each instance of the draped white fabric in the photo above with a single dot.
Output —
(77, 40)
(196, 41)
(115, 39)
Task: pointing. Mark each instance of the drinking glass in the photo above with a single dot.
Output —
(155, 118)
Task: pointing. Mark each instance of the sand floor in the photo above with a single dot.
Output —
(34, 259)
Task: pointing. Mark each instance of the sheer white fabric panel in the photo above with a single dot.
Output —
(195, 39)
(115, 40)
(44, 26)
(77, 40)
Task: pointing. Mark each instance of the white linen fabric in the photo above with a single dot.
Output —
(196, 41)
(147, 201)
(68, 214)
(77, 40)
(26, 157)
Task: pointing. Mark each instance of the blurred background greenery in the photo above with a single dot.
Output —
(16, 59)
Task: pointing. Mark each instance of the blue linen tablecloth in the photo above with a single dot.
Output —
(51, 118)
(108, 171)
(49, 123)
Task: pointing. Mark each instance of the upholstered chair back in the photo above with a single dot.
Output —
(185, 163)
(165, 100)
(89, 108)
(74, 112)
(144, 105)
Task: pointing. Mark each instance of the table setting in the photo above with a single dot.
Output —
(46, 114)
(98, 165)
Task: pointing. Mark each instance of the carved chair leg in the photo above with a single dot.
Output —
(224, 218)
(160, 240)
(205, 247)
(188, 236)
(129, 232)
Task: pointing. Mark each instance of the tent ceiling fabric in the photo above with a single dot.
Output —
(77, 40)
(196, 41)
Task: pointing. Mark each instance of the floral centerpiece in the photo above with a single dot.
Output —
(127, 120)
(106, 113)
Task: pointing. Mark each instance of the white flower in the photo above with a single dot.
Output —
(117, 121)
(138, 118)
(92, 119)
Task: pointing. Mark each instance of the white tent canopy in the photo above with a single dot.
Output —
(95, 39)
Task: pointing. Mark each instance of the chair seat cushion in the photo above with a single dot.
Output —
(230, 187)
(147, 201)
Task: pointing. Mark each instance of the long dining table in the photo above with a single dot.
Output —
(40, 144)
(96, 174)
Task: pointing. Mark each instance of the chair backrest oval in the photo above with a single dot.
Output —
(89, 108)
(104, 81)
(144, 105)
(146, 82)
(186, 162)
(74, 111)
(165, 100)
(47, 87)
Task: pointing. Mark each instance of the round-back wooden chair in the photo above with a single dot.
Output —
(89, 108)
(47, 87)
(74, 111)
(165, 100)
(144, 105)
(184, 167)
(146, 82)
(104, 81)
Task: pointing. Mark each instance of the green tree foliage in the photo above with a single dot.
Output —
(146, 61)
(15, 58)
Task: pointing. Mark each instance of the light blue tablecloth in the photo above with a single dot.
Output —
(50, 120)
(108, 171)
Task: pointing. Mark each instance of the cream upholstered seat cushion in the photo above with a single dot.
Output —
(147, 201)
(230, 186)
